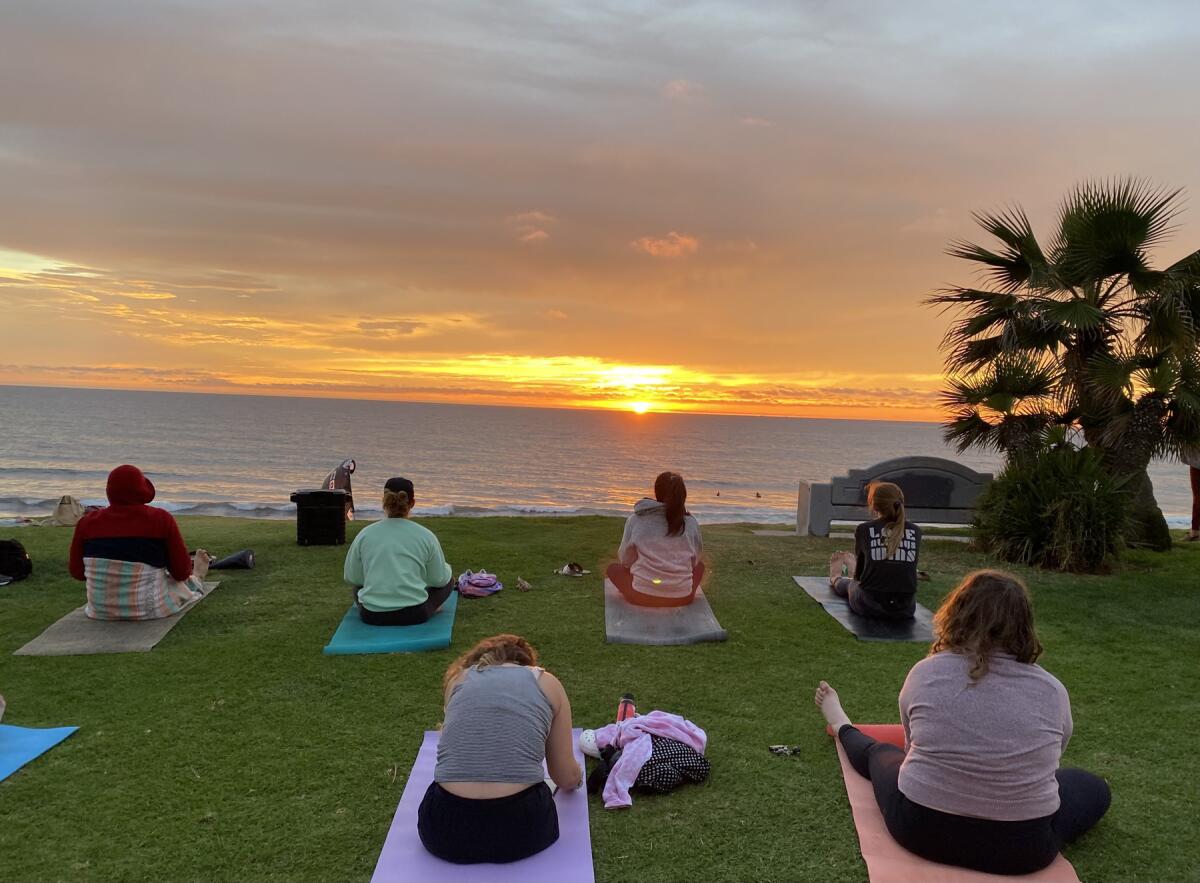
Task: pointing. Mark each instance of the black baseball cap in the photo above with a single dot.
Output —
(397, 485)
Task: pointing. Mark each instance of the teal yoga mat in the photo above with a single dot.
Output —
(355, 636)
(19, 745)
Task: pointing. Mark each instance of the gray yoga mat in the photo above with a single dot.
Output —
(920, 628)
(626, 623)
(76, 635)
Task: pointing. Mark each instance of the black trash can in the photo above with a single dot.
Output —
(320, 517)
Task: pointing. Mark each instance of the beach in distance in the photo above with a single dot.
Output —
(244, 455)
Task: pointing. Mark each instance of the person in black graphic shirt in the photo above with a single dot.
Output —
(881, 581)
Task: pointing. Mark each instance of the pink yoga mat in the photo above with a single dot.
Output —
(404, 859)
(888, 861)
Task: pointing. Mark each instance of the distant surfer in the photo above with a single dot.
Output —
(339, 480)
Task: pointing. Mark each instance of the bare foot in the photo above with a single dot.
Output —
(200, 562)
(841, 564)
(827, 700)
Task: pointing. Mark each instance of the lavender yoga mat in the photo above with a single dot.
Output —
(404, 859)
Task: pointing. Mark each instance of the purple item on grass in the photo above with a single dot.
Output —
(478, 585)
(404, 859)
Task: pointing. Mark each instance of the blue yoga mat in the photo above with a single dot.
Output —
(19, 745)
(355, 636)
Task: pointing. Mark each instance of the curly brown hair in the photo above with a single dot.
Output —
(396, 504)
(989, 611)
(496, 650)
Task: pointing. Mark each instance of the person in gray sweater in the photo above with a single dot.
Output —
(978, 784)
(659, 559)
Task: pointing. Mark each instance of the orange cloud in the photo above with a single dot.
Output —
(673, 245)
(531, 226)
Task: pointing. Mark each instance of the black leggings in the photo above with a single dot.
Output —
(414, 615)
(502, 829)
(898, 605)
(980, 844)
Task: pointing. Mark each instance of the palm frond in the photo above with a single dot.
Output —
(966, 429)
(1077, 313)
(1188, 267)
(1106, 228)
(1020, 259)
(1168, 321)
(1110, 377)
(1007, 271)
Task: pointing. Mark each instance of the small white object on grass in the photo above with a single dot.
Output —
(587, 743)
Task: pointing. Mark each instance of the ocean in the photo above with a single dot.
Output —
(238, 455)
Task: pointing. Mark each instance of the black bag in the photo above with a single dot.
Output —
(14, 560)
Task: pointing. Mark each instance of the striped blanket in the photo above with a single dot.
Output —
(133, 590)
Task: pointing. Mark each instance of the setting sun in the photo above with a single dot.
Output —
(639, 407)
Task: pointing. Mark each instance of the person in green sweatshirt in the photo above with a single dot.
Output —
(396, 566)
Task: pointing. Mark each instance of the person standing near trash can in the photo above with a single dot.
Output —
(339, 480)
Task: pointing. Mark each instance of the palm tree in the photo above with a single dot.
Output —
(1085, 334)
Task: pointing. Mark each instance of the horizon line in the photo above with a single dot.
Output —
(610, 410)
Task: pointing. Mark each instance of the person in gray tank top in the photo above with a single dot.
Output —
(978, 783)
(504, 718)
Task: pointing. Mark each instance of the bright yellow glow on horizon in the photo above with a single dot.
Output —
(169, 339)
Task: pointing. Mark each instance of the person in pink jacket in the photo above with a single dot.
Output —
(659, 562)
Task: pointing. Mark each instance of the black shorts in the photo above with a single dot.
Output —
(501, 829)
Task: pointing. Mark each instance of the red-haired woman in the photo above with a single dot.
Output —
(882, 577)
(978, 784)
(659, 559)
(504, 716)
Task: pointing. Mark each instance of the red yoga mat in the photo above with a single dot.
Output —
(888, 861)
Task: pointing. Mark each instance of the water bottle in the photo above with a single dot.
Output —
(625, 708)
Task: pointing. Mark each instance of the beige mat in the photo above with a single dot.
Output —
(626, 623)
(76, 635)
(889, 862)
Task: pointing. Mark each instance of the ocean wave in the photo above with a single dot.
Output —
(78, 473)
(14, 510)
(51, 472)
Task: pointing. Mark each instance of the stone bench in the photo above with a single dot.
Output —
(936, 491)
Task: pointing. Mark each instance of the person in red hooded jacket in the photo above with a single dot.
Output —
(132, 556)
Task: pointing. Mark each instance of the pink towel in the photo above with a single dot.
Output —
(633, 738)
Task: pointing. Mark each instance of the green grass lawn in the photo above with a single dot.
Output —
(236, 751)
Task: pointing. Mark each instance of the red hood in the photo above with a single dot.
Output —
(128, 486)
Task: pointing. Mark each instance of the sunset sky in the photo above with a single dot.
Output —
(725, 207)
